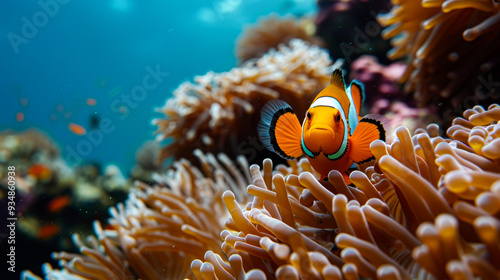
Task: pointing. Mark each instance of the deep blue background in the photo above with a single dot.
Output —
(100, 49)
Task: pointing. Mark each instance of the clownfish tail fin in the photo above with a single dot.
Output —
(279, 129)
(370, 128)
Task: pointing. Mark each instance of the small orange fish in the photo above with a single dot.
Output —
(59, 203)
(48, 231)
(91, 102)
(77, 129)
(40, 171)
(19, 116)
(332, 135)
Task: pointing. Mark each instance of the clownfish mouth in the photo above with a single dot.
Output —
(320, 138)
(321, 127)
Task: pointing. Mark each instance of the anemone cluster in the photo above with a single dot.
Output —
(427, 209)
(160, 229)
(209, 113)
(452, 49)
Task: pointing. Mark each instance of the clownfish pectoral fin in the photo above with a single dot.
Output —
(279, 129)
(358, 94)
(369, 129)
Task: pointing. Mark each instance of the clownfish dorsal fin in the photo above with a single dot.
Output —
(338, 79)
(336, 86)
(358, 95)
(356, 99)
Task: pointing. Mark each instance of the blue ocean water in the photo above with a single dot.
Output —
(56, 54)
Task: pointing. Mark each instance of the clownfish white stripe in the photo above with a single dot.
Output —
(353, 113)
(330, 101)
(327, 101)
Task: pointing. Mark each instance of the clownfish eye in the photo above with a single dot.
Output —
(337, 118)
(308, 115)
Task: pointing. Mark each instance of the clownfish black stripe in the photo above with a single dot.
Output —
(378, 124)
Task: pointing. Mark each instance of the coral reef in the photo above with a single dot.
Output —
(452, 49)
(146, 162)
(380, 81)
(220, 112)
(385, 96)
(271, 32)
(26, 145)
(399, 113)
(53, 199)
(160, 229)
(350, 28)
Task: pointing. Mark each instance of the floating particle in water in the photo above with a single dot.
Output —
(115, 91)
(100, 83)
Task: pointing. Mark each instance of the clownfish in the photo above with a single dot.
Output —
(332, 136)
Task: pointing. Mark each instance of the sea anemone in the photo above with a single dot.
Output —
(220, 112)
(273, 31)
(452, 49)
(160, 229)
(428, 208)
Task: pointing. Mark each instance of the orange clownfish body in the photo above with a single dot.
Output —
(332, 135)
